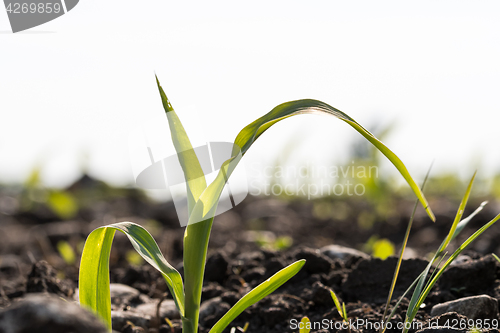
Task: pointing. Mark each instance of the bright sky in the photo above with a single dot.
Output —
(79, 85)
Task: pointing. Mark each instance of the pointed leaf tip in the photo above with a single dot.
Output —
(164, 99)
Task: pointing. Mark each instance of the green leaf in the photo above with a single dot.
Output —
(344, 312)
(258, 293)
(93, 282)
(205, 207)
(465, 221)
(196, 237)
(193, 173)
(459, 214)
(94, 267)
(337, 303)
(496, 257)
(305, 324)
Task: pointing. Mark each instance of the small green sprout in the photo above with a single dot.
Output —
(496, 257)
(66, 252)
(203, 199)
(240, 329)
(341, 309)
(305, 325)
(383, 248)
(274, 243)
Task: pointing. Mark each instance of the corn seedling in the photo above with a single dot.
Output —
(202, 203)
(496, 257)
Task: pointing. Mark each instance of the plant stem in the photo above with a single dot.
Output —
(196, 240)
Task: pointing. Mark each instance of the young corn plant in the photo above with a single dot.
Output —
(202, 202)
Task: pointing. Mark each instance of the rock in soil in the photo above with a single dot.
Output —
(342, 252)
(474, 307)
(45, 313)
(121, 318)
(43, 278)
(469, 277)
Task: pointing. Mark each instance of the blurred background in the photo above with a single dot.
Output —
(78, 99)
(73, 89)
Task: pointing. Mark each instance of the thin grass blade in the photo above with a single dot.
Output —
(496, 257)
(400, 259)
(94, 267)
(393, 312)
(465, 221)
(452, 233)
(258, 293)
(459, 214)
(337, 302)
(447, 263)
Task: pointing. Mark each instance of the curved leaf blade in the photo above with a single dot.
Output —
(93, 282)
(94, 267)
(205, 207)
(258, 293)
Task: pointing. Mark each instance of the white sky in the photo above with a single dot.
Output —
(80, 84)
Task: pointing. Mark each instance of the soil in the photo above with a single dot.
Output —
(245, 250)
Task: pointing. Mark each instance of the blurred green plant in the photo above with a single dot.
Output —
(66, 252)
(275, 243)
(133, 258)
(383, 248)
(61, 202)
